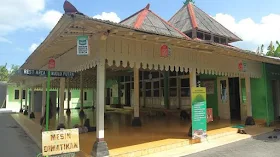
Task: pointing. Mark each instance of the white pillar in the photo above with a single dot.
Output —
(26, 95)
(100, 101)
(248, 96)
(20, 97)
(43, 98)
(136, 91)
(81, 91)
(193, 78)
(61, 100)
(136, 120)
(32, 106)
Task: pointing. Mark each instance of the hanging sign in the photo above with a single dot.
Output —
(60, 142)
(242, 66)
(43, 73)
(199, 116)
(82, 46)
(165, 51)
(51, 64)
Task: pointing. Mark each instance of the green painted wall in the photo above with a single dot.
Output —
(212, 99)
(261, 89)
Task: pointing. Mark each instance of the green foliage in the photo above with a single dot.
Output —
(5, 73)
(270, 50)
(277, 50)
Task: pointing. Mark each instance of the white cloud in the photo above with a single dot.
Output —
(111, 16)
(26, 14)
(33, 47)
(4, 40)
(253, 33)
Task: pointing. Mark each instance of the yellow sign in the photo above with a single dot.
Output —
(60, 142)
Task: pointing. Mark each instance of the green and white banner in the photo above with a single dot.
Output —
(82, 46)
(199, 112)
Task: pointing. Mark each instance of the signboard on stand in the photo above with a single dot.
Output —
(82, 46)
(199, 115)
(60, 142)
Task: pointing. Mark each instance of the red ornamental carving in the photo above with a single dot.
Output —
(164, 51)
(51, 64)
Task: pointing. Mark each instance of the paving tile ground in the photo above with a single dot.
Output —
(14, 142)
(259, 146)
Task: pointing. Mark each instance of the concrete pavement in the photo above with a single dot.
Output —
(259, 146)
(14, 142)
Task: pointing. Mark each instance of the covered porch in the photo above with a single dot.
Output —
(115, 48)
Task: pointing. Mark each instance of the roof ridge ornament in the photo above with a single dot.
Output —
(148, 6)
(188, 1)
(69, 8)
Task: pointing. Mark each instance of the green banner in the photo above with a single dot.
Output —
(199, 115)
(82, 46)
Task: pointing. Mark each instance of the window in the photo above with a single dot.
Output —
(156, 85)
(200, 35)
(64, 96)
(173, 82)
(85, 96)
(185, 87)
(216, 40)
(16, 94)
(148, 93)
(207, 37)
(23, 94)
(189, 34)
(223, 41)
(121, 78)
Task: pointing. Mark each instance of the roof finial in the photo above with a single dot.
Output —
(69, 8)
(188, 1)
(148, 6)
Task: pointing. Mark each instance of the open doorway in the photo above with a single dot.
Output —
(234, 96)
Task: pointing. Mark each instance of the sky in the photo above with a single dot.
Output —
(24, 24)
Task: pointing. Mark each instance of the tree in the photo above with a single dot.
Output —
(270, 50)
(4, 73)
(277, 50)
(13, 70)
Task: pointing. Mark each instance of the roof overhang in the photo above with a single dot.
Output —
(62, 40)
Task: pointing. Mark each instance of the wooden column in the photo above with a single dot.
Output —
(61, 104)
(136, 120)
(100, 148)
